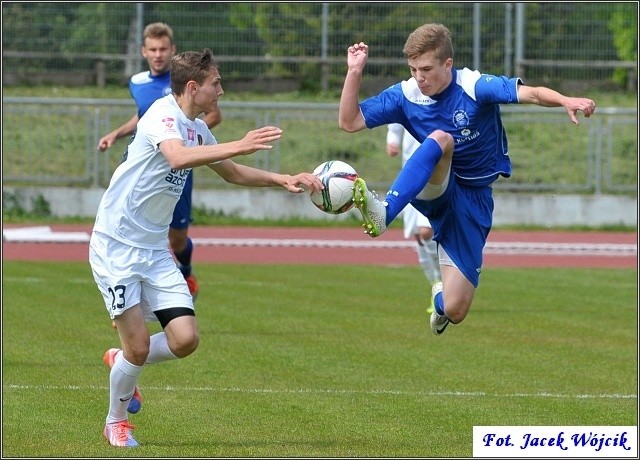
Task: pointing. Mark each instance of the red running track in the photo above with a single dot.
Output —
(260, 245)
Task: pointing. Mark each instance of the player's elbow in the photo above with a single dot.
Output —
(345, 128)
(348, 127)
(351, 123)
(178, 163)
(177, 155)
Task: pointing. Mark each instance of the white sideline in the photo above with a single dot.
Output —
(42, 234)
(45, 234)
(331, 391)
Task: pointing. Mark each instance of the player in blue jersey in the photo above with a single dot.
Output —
(455, 115)
(145, 88)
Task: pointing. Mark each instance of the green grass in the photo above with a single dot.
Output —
(322, 361)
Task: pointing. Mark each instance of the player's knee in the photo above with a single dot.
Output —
(185, 345)
(457, 309)
(179, 325)
(445, 140)
(455, 316)
(457, 305)
(137, 354)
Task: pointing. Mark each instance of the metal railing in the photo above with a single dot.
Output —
(52, 141)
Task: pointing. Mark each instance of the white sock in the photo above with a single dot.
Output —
(122, 382)
(159, 349)
(428, 259)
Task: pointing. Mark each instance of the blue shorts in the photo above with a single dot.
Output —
(461, 219)
(182, 213)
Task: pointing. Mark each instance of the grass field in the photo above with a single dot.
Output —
(322, 361)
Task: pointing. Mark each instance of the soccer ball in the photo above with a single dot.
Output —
(337, 178)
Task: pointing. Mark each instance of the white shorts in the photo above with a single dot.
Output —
(412, 219)
(128, 276)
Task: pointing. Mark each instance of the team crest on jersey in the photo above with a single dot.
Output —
(191, 134)
(199, 139)
(460, 119)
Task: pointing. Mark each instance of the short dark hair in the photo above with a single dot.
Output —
(190, 65)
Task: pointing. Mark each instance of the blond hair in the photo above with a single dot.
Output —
(428, 38)
(158, 30)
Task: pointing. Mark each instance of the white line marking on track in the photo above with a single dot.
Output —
(46, 235)
(617, 249)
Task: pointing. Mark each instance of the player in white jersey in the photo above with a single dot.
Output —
(455, 115)
(129, 256)
(146, 87)
(415, 224)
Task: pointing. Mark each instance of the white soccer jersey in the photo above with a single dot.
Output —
(137, 207)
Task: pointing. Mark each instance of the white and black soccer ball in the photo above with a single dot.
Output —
(337, 178)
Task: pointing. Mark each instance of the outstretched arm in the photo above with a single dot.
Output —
(181, 157)
(238, 174)
(546, 97)
(349, 116)
(126, 129)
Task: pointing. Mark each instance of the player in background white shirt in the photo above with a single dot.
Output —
(416, 225)
(129, 256)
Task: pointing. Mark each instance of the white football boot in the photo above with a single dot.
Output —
(374, 212)
(438, 322)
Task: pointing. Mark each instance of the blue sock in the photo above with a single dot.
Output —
(439, 303)
(184, 258)
(412, 178)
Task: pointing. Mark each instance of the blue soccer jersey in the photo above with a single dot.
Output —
(145, 89)
(468, 109)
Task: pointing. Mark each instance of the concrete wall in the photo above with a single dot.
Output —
(510, 209)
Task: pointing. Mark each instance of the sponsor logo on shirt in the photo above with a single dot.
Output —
(169, 125)
(177, 177)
